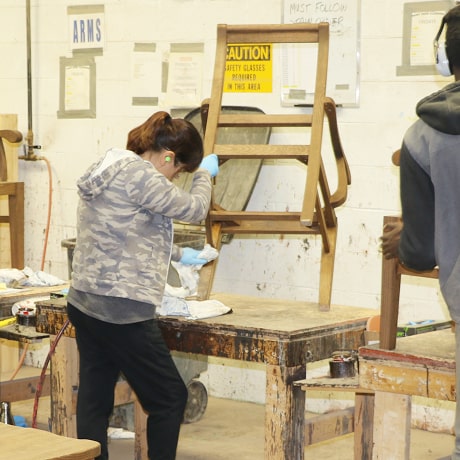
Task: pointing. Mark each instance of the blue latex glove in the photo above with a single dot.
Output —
(190, 257)
(211, 163)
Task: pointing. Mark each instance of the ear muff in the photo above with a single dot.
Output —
(168, 159)
(442, 62)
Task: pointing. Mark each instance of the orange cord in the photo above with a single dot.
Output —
(21, 360)
(50, 202)
(41, 380)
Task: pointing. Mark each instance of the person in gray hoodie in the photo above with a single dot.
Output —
(123, 250)
(428, 233)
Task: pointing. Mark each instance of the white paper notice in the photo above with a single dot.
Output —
(184, 79)
(146, 81)
(77, 90)
(424, 28)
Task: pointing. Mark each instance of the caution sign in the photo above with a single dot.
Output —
(248, 68)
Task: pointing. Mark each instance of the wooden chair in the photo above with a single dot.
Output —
(15, 193)
(317, 215)
(392, 270)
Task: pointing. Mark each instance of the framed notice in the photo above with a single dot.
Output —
(77, 92)
(421, 24)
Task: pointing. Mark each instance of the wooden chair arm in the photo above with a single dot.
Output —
(343, 170)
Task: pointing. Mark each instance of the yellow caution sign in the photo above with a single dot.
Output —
(248, 68)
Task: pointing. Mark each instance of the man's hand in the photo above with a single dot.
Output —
(390, 239)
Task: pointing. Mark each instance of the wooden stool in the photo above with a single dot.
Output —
(15, 218)
(391, 286)
(32, 444)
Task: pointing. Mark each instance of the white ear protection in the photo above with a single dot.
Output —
(442, 62)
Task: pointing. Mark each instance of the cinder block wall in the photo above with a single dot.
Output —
(267, 267)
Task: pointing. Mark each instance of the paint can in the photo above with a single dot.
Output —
(342, 364)
(26, 316)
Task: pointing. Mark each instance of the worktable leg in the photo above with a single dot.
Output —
(392, 417)
(64, 378)
(284, 413)
(364, 426)
(140, 428)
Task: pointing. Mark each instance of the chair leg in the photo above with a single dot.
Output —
(327, 271)
(389, 306)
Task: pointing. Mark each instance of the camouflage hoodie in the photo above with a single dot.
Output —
(124, 226)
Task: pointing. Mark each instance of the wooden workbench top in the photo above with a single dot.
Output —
(284, 315)
(32, 444)
(272, 331)
(421, 365)
(10, 297)
(434, 349)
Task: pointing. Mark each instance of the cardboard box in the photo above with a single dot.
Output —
(419, 327)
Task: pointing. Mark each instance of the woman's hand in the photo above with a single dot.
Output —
(190, 257)
(211, 163)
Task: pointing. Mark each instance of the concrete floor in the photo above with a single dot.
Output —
(232, 430)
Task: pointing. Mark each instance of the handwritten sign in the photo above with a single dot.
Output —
(248, 68)
(343, 69)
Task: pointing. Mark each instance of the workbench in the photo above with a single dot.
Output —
(21, 389)
(284, 335)
(420, 365)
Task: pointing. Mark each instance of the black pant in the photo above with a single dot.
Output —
(140, 353)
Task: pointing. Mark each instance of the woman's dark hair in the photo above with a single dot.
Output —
(161, 131)
(452, 21)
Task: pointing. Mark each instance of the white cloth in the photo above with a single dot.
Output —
(174, 300)
(192, 309)
(13, 277)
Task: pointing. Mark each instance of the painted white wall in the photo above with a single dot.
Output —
(267, 267)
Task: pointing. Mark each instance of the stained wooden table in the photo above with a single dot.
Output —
(284, 335)
(420, 365)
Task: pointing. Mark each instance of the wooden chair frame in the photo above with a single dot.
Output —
(317, 215)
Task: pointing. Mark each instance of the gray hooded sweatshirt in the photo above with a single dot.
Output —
(125, 226)
(430, 192)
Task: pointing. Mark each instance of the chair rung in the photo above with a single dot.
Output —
(264, 120)
(262, 222)
(266, 33)
(267, 227)
(261, 151)
(425, 274)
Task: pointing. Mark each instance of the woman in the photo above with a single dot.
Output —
(122, 254)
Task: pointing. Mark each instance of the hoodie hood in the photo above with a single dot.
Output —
(441, 110)
(98, 176)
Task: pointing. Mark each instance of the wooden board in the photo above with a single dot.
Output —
(30, 444)
(7, 121)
